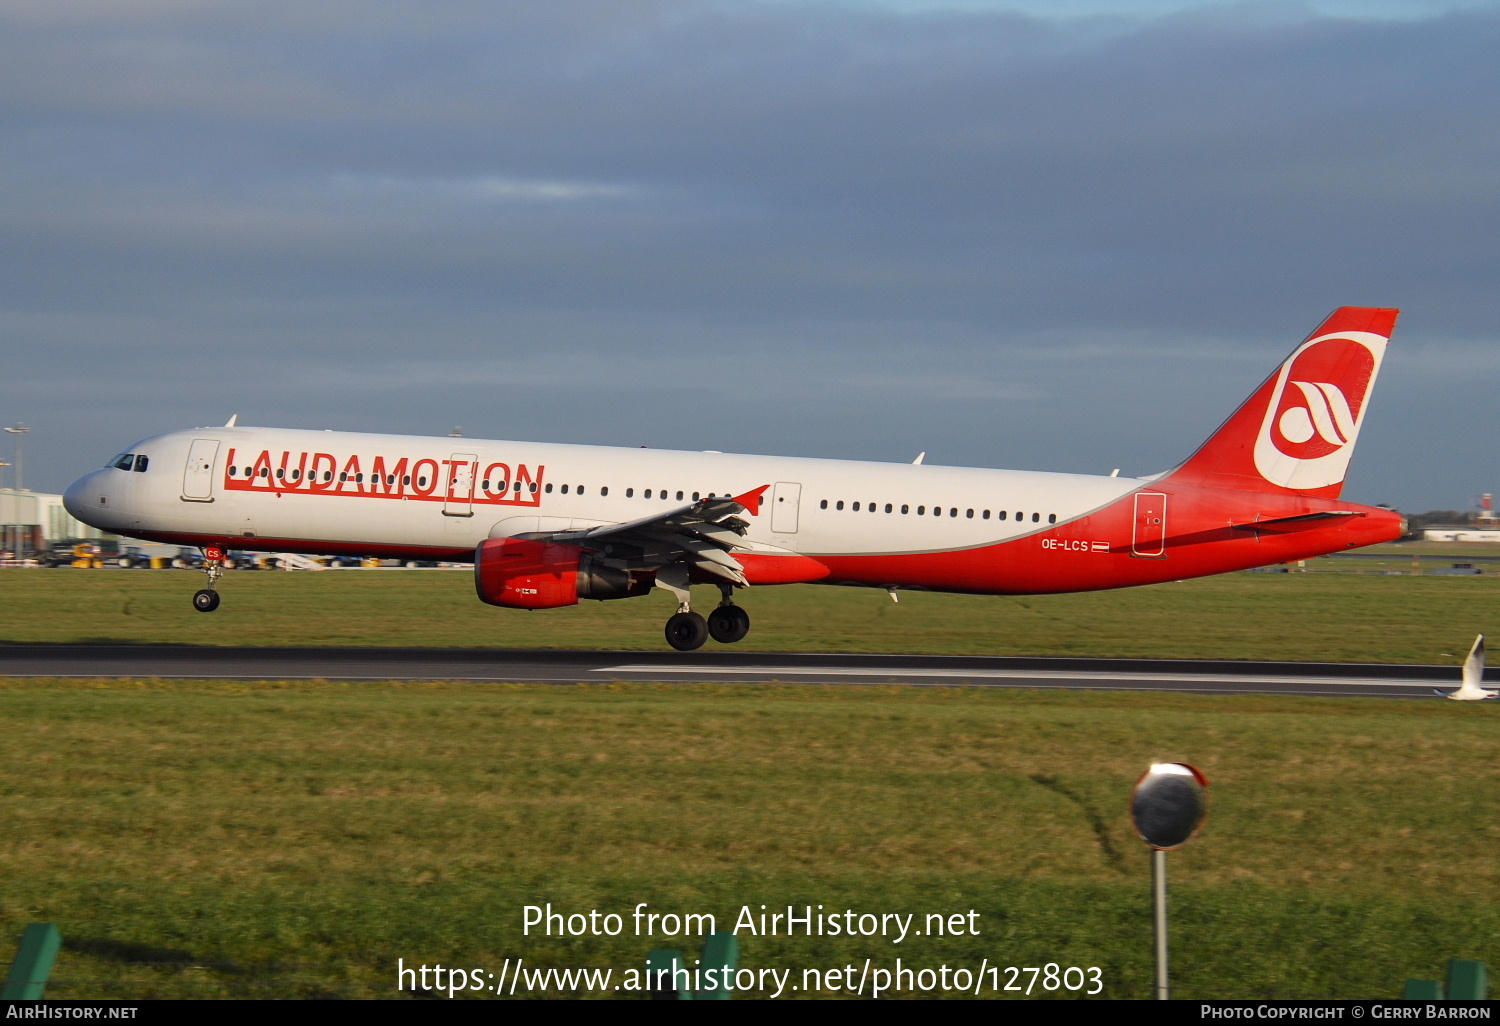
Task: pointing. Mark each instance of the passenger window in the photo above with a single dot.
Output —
(823, 504)
(565, 489)
(839, 504)
(1001, 515)
(359, 478)
(343, 476)
(953, 512)
(390, 479)
(679, 496)
(328, 476)
(140, 464)
(921, 510)
(630, 493)
(421, 482)
(970, 514)
(1051, 518)
(695, 496)
(986, 515)
(549, 489)
(647, 493)
(406, 481)
(280, 473)
(233, 471)
(870, 506)
(484, 485)
(1035, 517)
(533, 488)
(855, 507)
(265, 471)
(888, 507)
(905, 509)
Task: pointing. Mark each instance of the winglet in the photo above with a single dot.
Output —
(233, 420)
(752, 500)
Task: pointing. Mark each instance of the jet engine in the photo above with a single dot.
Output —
(525, 574)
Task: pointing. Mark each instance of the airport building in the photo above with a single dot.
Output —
(1460, 534)
(30, 521)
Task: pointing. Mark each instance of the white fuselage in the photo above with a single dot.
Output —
(317, 491)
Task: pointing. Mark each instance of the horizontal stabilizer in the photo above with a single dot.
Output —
(1303, 520)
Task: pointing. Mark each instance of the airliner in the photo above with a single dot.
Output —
(548, 525)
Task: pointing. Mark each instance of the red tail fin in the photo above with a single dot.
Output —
(1297, 431)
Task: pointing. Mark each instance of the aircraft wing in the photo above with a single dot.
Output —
(701, 534)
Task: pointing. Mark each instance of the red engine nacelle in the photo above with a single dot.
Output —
(525, 574)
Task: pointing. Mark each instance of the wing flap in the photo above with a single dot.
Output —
(700, 535)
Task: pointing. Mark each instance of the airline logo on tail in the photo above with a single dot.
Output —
(1316, 408)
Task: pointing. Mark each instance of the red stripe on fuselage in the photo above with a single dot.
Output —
(308, 546)
(1095, 552)
(1091, 553)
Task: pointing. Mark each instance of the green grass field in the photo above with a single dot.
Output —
(272, 839)
(279, 839)
(1312, 616)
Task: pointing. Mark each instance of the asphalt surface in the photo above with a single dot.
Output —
(495, 665)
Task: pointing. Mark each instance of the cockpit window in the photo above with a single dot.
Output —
(141, 463)
(124, 462)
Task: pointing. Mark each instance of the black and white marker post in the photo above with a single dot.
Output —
(1167, 807)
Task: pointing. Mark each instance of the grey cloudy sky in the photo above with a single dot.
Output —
(1005, 236)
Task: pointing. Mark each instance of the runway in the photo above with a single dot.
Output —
(552, 667)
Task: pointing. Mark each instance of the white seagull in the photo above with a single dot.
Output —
(1473, 676)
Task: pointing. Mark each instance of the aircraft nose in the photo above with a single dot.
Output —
(82, 496)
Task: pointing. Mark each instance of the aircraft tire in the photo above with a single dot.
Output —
(728, 624)
(686, 631)
(205, 601)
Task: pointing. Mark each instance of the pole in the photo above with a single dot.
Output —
(20, 432)
(1159, 889)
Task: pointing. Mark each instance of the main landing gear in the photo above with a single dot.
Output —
(206, 600)
(687, 630)
(728, 624)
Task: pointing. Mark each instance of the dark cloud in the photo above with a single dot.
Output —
(802, 228)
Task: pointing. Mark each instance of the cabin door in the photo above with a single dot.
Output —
(784, 500)
(1150, 539)
(198, 475)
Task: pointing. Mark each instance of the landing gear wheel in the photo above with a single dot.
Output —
(686, 631)
(728, 624)
(205, 601)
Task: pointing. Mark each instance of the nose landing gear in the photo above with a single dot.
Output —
(206, 600)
